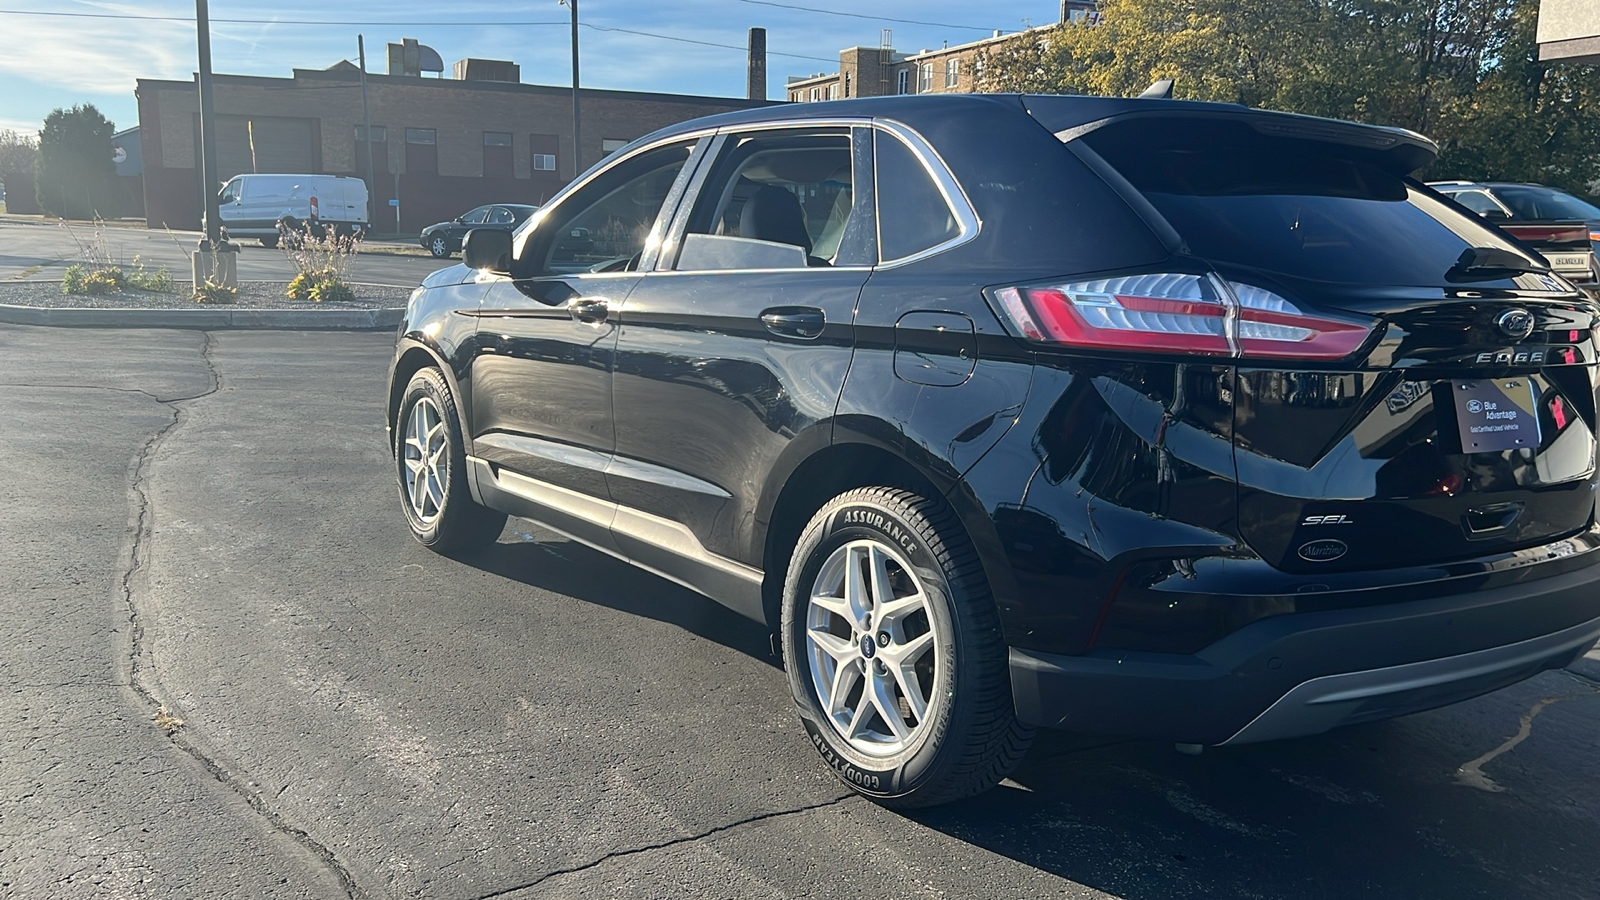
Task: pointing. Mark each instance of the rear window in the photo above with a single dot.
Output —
(1545, 203)
(1303, 208)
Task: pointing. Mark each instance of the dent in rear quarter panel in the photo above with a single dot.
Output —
(941, 428)
(1113, 463)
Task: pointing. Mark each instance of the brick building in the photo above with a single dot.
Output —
(881, 71)
(442, 145)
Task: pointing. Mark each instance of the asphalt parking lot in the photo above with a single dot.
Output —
(205, 525)
(31, 248)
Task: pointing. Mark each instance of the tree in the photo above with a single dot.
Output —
(1465, 72)
(18, 152)
(76, 173)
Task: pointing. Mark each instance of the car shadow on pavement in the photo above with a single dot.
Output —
(1366, 811)
(544, 560)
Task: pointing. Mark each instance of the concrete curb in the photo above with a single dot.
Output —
(205, 319)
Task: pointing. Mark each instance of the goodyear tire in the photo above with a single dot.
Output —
(894, 653)
(431, 466)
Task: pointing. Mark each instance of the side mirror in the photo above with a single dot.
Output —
(487, 248)
(1495, 214)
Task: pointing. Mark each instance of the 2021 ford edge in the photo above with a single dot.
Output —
(1155, 418)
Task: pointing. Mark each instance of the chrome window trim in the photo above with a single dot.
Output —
(955, 196)
(967, 221)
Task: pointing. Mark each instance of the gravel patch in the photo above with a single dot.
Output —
(252, 295)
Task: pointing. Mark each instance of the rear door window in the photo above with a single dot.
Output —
(779, 199)
(1303, 208)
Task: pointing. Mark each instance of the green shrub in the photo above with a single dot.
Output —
(320, 286)
(141, 278)
(83, 279)
(211, 292)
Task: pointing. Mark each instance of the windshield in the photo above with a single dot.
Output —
(1546, 203)
(1298, 207)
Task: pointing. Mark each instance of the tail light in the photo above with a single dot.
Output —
(1176, 313)
(1556, 234)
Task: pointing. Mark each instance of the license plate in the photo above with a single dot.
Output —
(1569, 262)
(1496, 414)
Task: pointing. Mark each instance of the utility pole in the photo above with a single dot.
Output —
(366, 126)
(216, 261)
(577, 134)
(208, 130)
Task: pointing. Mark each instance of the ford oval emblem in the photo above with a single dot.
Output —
(1515, 323)
(1322, 550)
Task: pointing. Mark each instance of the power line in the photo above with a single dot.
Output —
(833, 12)
(146, 18)
(590, 25)
(668, 37)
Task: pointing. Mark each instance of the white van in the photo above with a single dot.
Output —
(254, 206)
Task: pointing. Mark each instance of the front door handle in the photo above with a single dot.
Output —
(802, 322)
(589, 310)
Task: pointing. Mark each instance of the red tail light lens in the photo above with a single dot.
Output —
(1176, 314)
(1272, 326)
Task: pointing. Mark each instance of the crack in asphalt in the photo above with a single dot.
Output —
(662, 845)
(1471, 774)
(141, 678)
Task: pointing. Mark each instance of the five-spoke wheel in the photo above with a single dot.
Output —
(872, 647)
(425, 451)
(892, 644)
(430, 465)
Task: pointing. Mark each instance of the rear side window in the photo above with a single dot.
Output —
(913, 214)
(1303, 208)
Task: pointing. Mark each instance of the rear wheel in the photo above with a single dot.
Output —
(431, 466)
(893, 649)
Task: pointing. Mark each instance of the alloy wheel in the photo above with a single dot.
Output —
(426, 450)
(439, 248)
(873, 646)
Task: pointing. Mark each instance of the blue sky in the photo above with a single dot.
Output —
(54, 61)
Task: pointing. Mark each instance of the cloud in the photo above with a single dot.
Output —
(97, 56)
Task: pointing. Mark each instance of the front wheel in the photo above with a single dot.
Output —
(431, 466)
(438, 246)
(894, 653)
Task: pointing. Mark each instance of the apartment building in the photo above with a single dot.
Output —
(882, 71)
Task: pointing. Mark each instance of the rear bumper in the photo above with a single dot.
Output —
(1304, 674)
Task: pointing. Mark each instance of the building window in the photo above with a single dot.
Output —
(612, 145)
(496, 139)
(904, 87)
(847, 84)
(833, 91)
(377, 134)
(924, 78)
(544, 162)
(952, 72)
(816, 94)
(421, 136)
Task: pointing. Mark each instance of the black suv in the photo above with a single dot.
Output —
(1153, 418)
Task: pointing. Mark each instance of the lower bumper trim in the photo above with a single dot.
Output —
(1322, 703)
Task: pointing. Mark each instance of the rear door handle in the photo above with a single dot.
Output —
(802, 322)
(589, 310)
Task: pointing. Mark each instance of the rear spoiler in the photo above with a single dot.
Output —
(1396, 149)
